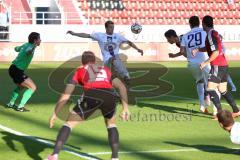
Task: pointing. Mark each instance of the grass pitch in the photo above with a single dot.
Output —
(167, 126)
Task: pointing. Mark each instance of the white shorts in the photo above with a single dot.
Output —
(118, 67)
(197, 73)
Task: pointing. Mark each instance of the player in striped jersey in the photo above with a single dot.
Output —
(219, 67)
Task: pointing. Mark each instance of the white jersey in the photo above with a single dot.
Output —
(194, 39)
(235, 133)
(109, 44)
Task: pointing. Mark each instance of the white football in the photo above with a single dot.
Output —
(136, 28)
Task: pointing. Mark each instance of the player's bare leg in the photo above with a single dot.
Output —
(113, 136)
(28, 83)
(118, 84)
(229, 98)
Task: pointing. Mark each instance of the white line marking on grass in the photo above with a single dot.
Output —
(166, 151)
(144, 90)
(44, 142)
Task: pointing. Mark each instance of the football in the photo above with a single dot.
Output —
(136, 28)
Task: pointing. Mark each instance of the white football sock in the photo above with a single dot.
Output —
(200, 91)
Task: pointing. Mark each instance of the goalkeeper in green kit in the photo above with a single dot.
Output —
(16, 72)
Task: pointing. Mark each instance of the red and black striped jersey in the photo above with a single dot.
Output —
(214, 43)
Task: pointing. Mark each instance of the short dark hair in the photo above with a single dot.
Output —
(194, 21)
(208, 21)
(107, 23)
(87, 57)
(170, 33)
(33, 36)
(225, 118)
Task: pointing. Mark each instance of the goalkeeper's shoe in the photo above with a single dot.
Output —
(10, 105)
(22, 109)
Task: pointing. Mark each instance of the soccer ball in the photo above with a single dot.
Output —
(136, 28)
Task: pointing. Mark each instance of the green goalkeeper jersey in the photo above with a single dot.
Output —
(25, 55)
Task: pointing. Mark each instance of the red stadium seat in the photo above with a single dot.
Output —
(170, 11)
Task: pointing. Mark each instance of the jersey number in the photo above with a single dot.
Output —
(197, 37)
(97, 74)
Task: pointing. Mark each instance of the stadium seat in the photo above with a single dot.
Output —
(174, 11)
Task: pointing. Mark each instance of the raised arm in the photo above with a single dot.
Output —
(180, 53)
(172, 55)
(82, 35)
(135, 47)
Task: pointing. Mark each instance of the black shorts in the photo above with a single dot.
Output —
(103, 99)
(218, 74)
(17, 74)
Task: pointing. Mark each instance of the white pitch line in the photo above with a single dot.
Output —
(123, 152)
(44, 142)
(166, 151)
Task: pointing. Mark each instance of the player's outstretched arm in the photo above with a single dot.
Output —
(82, 35)
(135, 47)
(181, 53)
(172, 55)
(61, 102)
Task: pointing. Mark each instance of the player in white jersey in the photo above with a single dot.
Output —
(192, 39)
(109, 44)
(196, 38)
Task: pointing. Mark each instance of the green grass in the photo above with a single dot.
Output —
(160, 123)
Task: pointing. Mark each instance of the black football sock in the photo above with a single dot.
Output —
(113, 139)
(229, 98)
(215, 99)
(62, 137)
